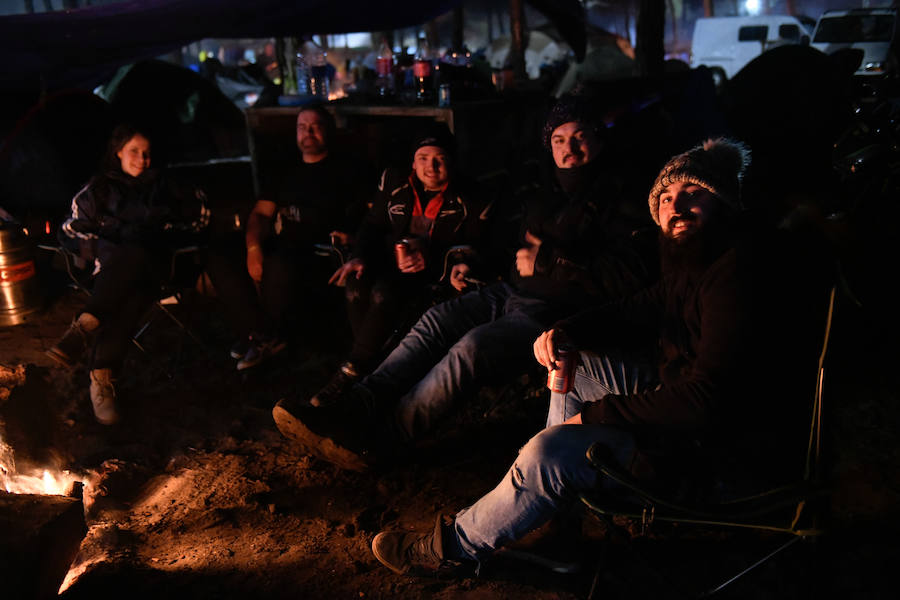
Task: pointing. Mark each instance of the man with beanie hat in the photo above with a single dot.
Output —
(429, 210)
(576, 249)
(729, 307)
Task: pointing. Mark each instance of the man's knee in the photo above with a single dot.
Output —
(467, 348)
(549, 447)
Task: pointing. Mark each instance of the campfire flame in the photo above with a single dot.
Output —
(37, 481)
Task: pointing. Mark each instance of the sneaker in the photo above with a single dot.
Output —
(418, 554)
(103, 396)
(75, 342)
(340, 382)
(239, 349)
(340, 433)
(260, 349)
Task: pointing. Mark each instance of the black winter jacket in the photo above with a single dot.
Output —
(463, 220)
(591, 250)
(736, 342)
(115, 209)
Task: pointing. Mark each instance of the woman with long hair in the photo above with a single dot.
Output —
(130, 219)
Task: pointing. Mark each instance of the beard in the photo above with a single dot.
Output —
(694, 251)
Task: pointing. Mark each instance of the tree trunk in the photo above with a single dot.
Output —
(790, 7)
(649, 51)
(431, 35)
(674, 24)
(285, 67)
(517, 28)
(709, 9)
(458, 27)
(490, 24)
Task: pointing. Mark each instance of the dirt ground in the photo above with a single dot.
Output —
(196, 494)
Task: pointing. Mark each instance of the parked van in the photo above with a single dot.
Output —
(872, 30)
(726, 44)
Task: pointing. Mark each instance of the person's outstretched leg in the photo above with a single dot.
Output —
(545, 479)
(498, 350)
(550, 471)
(431, 338)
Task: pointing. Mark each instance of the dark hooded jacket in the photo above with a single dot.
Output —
(592, 248)
(736, 339)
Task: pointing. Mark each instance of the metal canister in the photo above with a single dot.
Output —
(20, 292)
(561, 378)
(401, 251)
(444, 95)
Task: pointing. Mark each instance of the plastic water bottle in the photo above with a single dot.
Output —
(423, 73)
(302, 75)
(384, 69)
(318, 75)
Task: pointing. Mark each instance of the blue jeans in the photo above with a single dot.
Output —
(485, 335)
(552, 468)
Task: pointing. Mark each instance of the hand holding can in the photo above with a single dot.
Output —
(561, 378)
(409, 255)
(401, 251)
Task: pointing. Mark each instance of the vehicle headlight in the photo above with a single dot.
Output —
(874, 67)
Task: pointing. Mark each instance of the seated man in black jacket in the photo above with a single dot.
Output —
(735, 341)
(322, 193)
(410, 242)
(577, 249)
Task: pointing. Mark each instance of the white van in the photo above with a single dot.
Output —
(872, 30)
(726, 44)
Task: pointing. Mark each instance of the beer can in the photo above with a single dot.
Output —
(561, 378)
(444, 95)
(401, 251)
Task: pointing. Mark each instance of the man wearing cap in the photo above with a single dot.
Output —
(429, 209)
(730, 307)
(576, 249)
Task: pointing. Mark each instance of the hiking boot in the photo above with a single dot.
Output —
(239, 349)
(260, 349)
(418, 553)
(103, 396)
(341, 433)
(75, 342)
(340, 382)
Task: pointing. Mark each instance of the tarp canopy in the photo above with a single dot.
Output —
(82, 47)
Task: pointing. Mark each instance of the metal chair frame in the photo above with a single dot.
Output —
(786, 509)
(73, 262)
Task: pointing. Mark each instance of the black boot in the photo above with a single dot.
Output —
(337, 386)
(430, 553)
(342, 433)
(76, 341)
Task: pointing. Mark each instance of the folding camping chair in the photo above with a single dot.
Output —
(173, 291)
(790, 509)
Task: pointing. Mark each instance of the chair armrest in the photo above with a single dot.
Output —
(766, 502)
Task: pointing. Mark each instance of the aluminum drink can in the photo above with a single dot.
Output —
(401, 251)
(560, 379)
